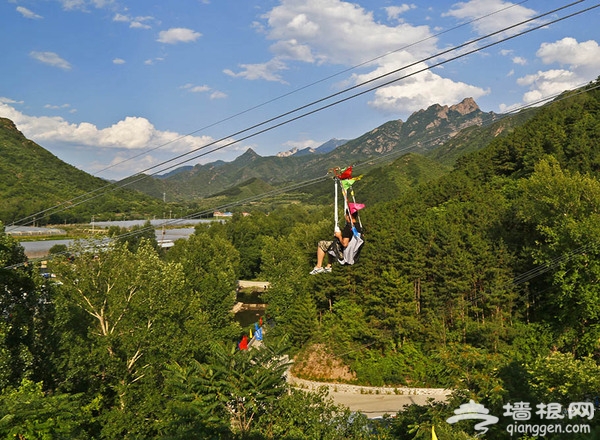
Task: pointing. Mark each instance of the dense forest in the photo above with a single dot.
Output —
(484, 279)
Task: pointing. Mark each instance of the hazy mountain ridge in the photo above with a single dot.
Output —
(423, 131)
(327, 147)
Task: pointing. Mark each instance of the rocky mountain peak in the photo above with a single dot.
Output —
(466, 106)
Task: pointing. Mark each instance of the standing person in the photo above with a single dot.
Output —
(323, 247)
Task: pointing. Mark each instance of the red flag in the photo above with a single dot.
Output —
(345, 174)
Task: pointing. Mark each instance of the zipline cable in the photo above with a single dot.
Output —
(121, 185)
(370, 161)
(299, 89)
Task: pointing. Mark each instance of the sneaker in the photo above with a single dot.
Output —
(327, 269)
(317, 270)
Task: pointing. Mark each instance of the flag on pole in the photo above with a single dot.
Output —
(433, 436)
(355, 207)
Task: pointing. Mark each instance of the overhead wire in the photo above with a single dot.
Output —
(306, 86)
(69, 203)
(443, 62)
(141, 175)
(368, 163)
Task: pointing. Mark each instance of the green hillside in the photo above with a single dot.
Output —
(482, 280)
(423, 131)
(34, 180)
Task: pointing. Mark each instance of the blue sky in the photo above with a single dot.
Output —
(117, 87)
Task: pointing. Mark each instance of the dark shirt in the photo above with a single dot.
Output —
(347, 231)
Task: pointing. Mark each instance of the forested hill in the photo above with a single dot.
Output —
(482, 280)
(423, 131)
(33, 180)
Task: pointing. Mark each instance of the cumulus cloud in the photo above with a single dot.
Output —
(490, 15)
(578, 63)
(178, 35)
(548, 83)
(584, 57)
(118, 61)
(338, 32)
(519, 60)
(394, 12)
(341, 33)
(50, 58)
(132, 134)
(422, 90)
(27, 13)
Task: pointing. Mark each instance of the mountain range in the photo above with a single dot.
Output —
(34, 179)
(423, 131)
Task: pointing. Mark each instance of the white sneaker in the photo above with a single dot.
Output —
(317, 270)
(327, 269)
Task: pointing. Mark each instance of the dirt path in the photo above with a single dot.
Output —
(373, 401)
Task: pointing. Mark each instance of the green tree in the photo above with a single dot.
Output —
(118, 314)
(27, 412)
(25, 307)
(561, 207)
(227, 395)
(560, 377)
(134, 236)
(210, 266)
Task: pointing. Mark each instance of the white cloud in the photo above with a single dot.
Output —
(73, 4)
(337, 32)
(134, 22)
(344, 33)
(579, 62)
(56, 107)
(218, 95)
(583, 57)
(519, 60)
(422, 90)
(268, 71)
(394, 12)
(153, 61)
(4, 100)
(50, 58)
(196, 89)
(118, 61)
(82, 5)
(132, 134)
(27, 13)
(490, 15)
(215, 94)
(121, 18)
(178, 35)
(548, 83)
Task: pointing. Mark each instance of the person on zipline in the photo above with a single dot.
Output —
(324, 246)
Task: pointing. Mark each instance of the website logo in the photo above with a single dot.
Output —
(552, 418)
(474, 411)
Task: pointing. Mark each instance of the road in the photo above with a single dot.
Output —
(373, 401)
